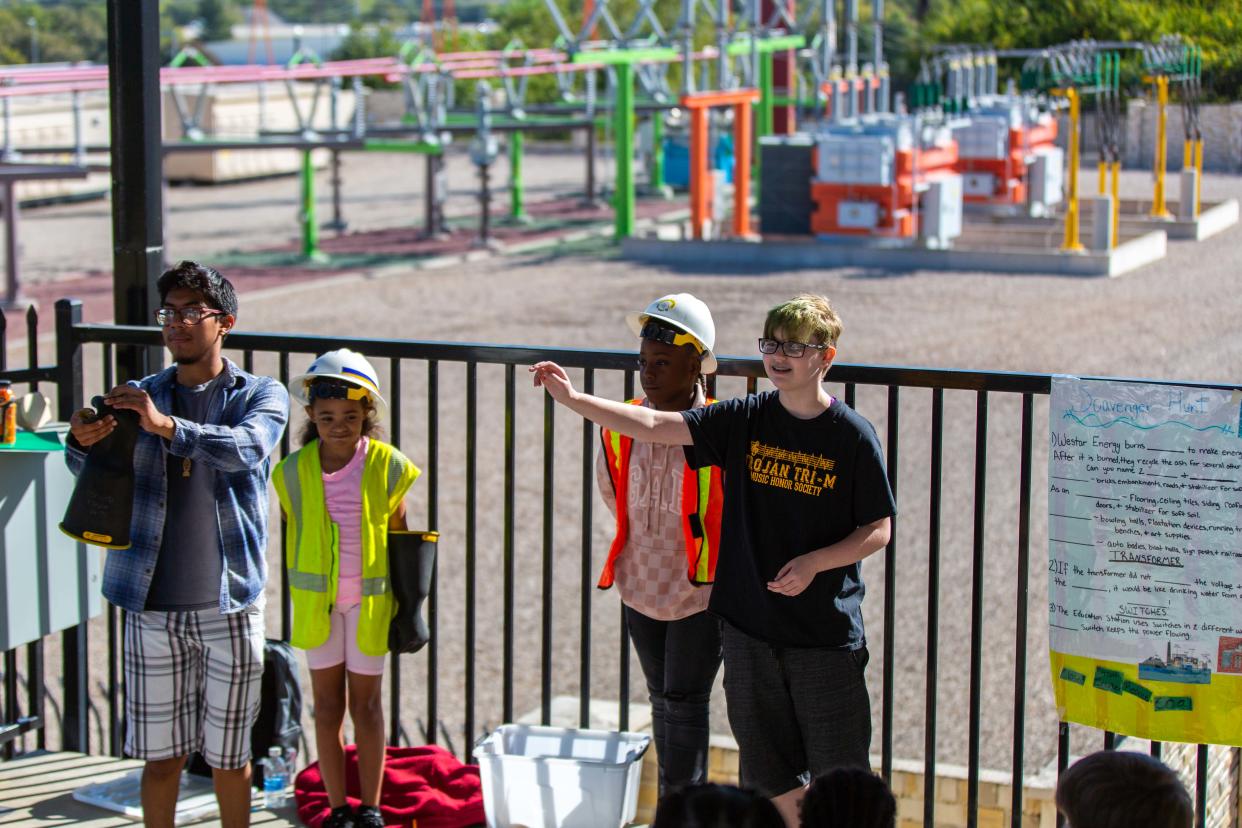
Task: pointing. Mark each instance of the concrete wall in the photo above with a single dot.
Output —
(1222, 136)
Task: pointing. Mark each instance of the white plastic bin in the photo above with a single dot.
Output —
(555, 777)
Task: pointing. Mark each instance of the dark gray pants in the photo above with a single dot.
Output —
(794, 711)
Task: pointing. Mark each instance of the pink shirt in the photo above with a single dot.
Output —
(342, 492)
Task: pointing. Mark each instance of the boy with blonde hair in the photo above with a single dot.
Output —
(806, 500)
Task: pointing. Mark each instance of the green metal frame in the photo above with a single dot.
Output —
(310, 227)
(517, 192)
(623, 125)
(402, 145)
(186, 54)
(766, 45)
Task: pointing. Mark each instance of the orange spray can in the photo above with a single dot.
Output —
(8, 414)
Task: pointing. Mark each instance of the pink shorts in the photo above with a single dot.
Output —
(342, 646)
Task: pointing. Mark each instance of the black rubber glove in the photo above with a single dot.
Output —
(102, 503)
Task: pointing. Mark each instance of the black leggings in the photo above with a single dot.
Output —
(679, 660)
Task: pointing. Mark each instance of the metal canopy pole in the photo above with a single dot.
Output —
(851, 41)
(877, 57)
(137, 174)
(784, 76)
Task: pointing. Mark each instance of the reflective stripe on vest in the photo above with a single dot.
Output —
(702, 495)
(308, 581)
(375, 586)
(287, 473)
(313, 548)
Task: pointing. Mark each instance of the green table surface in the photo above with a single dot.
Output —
(46, 441)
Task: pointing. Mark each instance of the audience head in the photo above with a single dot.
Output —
(1112, 789)
(715, 806)
(849, 798)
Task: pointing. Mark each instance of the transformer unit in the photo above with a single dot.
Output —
(997, 143)
(868, 176)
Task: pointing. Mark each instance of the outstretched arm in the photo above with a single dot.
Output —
(637, 421)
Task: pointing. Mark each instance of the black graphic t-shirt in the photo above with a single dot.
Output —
(791, 486)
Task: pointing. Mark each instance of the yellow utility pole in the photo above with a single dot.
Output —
(1072, 243)
(1158, 207)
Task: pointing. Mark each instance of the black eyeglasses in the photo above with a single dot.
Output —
(187, 316)
(791, 349)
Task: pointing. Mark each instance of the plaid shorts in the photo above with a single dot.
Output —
(192, 683)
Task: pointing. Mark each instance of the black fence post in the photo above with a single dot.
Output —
(73, 727)
(137, 174)
(68, 358)
(12, 704)
(36, 692)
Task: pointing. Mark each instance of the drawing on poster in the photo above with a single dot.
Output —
(1180, 664)
(1229, 654)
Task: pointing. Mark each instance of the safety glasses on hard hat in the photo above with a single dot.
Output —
(660, 333)
(335, 391)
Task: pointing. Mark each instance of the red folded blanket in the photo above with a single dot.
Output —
(426, 785)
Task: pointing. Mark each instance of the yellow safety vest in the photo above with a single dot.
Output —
(313, 551)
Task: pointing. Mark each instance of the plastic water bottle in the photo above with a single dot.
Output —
(275, 779)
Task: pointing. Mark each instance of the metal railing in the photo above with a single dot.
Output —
(1001, 401)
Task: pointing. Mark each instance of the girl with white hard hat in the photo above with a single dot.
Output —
(346, 479)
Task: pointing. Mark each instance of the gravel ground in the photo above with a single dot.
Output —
(1175, 320)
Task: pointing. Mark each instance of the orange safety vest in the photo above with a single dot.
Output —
(702, 493)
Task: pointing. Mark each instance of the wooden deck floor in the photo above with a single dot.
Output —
(37, 789)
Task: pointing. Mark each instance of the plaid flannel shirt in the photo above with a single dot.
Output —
(242, 431)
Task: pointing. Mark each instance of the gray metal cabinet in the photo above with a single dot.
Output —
(48, 581)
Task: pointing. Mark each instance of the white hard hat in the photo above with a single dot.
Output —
(687, 313)
(346, 365)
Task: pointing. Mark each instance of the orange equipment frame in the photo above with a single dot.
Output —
(1010, 172)
(699, 103)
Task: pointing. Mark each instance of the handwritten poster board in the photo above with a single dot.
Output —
(1145, 559)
